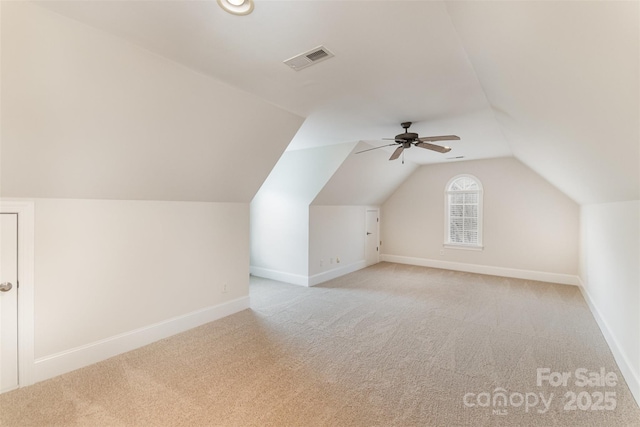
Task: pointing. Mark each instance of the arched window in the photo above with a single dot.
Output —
(463, 212)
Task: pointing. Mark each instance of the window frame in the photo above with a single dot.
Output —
(447, 219)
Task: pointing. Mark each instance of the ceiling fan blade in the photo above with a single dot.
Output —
(396, 153)
(375, 148)
(433, 147)
(440, 138)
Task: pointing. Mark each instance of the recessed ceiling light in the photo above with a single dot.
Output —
(237, 7)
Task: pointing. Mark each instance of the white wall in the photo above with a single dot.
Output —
(280, 212)
(312, 209)
(336, 233)
(529, 225)
(279, 237)
(610, 273)
(337, 215)
(105, 268)
(141, 181)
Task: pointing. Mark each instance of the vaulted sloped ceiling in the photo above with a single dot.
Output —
(300, 175)
(563, 81)
(88, 115)
(553, 83)
(394, 61)
(365, 179)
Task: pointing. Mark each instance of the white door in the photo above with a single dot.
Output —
(372, 240)
(8, 302)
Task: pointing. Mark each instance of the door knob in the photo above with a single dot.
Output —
(5, 287)
(368, 233)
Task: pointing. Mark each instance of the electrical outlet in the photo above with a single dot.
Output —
(224, 288)
(337, 260)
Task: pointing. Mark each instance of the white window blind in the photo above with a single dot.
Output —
(464, 212)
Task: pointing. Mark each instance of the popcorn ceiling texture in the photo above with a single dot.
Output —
(387, 345)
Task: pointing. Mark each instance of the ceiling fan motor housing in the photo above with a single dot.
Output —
(406, 137)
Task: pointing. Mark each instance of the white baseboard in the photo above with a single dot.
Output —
(626, 368)
(541, 276)
(298, 279)
(316, 279)
(280, 276)
(75, 358)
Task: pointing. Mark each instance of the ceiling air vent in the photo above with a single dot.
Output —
(311, 57)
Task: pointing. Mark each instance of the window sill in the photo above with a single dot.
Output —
(463, 247)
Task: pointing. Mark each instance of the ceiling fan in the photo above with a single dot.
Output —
(406, 139)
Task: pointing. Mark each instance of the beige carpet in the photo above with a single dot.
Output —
(388, 345)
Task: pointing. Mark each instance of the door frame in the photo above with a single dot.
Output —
(26, 237)
(366, 214)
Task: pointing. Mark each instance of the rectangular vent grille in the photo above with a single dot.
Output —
(317, 55)
(311, 57)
